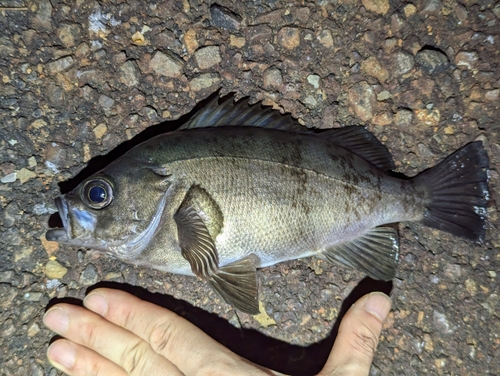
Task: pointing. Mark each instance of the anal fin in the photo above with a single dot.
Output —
(375, 253)
(237, 285)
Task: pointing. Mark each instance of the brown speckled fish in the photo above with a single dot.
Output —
(239, 187)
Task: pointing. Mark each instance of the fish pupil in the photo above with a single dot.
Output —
(97, 194)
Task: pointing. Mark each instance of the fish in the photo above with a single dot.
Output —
(240, 187)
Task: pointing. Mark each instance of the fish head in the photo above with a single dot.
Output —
(116, 210)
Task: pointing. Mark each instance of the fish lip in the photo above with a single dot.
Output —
(60, 234)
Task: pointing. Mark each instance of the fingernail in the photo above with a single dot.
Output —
(57, 319)
(62, 352)
(378, 304)
(97, 303)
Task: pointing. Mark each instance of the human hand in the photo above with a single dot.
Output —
(119, 334)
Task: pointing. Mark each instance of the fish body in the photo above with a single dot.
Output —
(218, 200)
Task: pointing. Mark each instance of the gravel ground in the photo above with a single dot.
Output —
(79, 78)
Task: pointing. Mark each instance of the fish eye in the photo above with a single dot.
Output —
(97, 193)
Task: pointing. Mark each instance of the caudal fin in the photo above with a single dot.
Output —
(457, 192)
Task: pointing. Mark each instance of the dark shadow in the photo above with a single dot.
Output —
(249, 343)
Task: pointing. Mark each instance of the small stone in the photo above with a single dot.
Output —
(166, 65)
(492, 95)
(383, 96)
(314, 80)
(466, 59)
(496, 10)
(376, 6)
(403, 63)
(224, 18)
(89, 275)
(384, 118)
(33, 330)
(289, 37)
(54, 270)
(9, 178)
(429, 117)
(432, 60)
(441, 322)
(325, 38)
(32, 162)
(449, 130)
(106, 102)
(50, 247)
(191, 41)
(263, 318)
(362, 98)
(272, 78)
(9, 214)
(310, 101)
(33, 296)
(461, 12)
(403, 117)
(68, 34)
(60, 65)
(204, 81)
(100, 130)
(24, 175)
(471, 286)
(128, 74)
(372, 67)
(138, 39)
(207, 57)
(431, 6)
(43, 18)
(453, 271)
(237, 41)
(409, 10)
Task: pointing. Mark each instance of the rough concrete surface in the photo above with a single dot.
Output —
(79, 78)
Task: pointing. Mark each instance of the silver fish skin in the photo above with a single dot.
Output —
(219, 201)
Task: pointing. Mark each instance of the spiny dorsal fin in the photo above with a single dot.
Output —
(375, 253)
(237, 285)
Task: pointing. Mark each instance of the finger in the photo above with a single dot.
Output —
(76, 360)
(120, 346)
(185, 345)
(357, 339)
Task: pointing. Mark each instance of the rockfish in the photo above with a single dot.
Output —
(239, 187)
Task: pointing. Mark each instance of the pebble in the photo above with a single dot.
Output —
(55, 270)
(100, 130)
(461, 12)
(128, 74)
(362, 98)
(432, 60)
(207, 57)
(33, 330)
(325, 38)
(106, 102)
(403, 117)
(9, 214)
(314, 80)
(190, 41)
(60, 65)
(453, 271)
(376, 6)
(492, 95)
(429, 117)
(383, 96)
(204, 81)
(384, 118)
(43, 16)
(272, 78)
(289, 37)
(431, 6)
(224, 18)
(24, 175)
(33, 296)
(9, 178)
(68, 34)
(471, 286)
(372, 67)
(441, 322)
(89, 276)
(237, 41)
(409, 10)
(403, 63)
(32, 162)
(466, 59)
(166, 65)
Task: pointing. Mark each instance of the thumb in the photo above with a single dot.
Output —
(358, 335)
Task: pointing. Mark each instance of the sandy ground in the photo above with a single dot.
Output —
(80, 78)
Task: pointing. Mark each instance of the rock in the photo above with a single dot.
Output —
(100, 130)
(69, 35)
(128, 74)
(55, 270)
(325, 38)
(224, 18)
(310, 101)
(50, 247)
(314, 80)
(43, 18)
(24, 175)
(106, 102)
(56, 156)
(466, 59)
(384, 118)
(429, 117)
(432, 60)
(376, 6)
(453, 271)
(409, 10)
(33, 330)
(207, 57)
(237, 41)
(403, 117)
(272, 78)
(471, 286)
(403, 63)
(383, 96)
(204, 81)
(263, 318)
(89, 276)
(32, 162)
(32, 296)
(289, 37)
(60, 65)
(9, 214)
(492, 95)
(166, 65)
(441, 322)
(190, 41)
(9, 178)
(496, 10)
(362, 98)
(461, 12)
(372, 67)
(138, 39)
(431, 6)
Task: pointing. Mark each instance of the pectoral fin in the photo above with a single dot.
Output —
(196, 244)
(375, 253)
(237, 284)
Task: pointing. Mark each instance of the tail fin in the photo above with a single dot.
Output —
(457, 192)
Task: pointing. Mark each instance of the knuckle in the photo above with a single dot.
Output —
(364, 341)
(90, 335)
(161, 336)
(133, 359)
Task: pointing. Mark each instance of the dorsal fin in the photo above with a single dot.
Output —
(241, 113)
(356, 139)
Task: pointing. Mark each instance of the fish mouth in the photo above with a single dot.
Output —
(60, 234)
